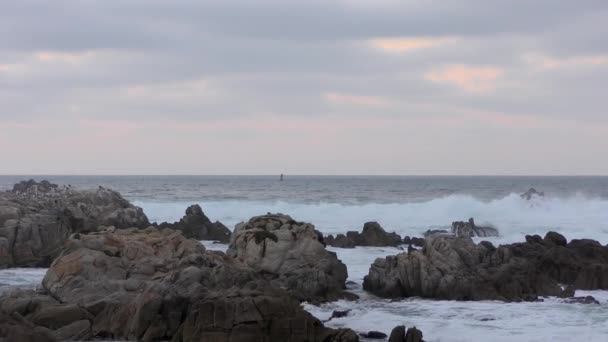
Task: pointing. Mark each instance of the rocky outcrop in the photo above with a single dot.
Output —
(36, 218)
(415, 241)
(291, 255)
(399, 334)
(156, 285)
(469, 229)
(531, 193)
(372, 235)
(457, 268)
(196, 225)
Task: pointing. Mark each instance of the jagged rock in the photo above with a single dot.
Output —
(469, 229)
(531, 193)
(36, 218)
(372, 235)
(291, 255)
(416, 241)
(13, 327)
(196, 225)
(147, 285)
(582, 300)
(457, 268)
(338, 314)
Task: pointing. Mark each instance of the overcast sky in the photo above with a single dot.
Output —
(304, 87)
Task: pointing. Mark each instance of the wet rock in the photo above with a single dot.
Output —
(374, 335)
(531, 193)
(339, 314)
(582, 300)
(372, 234)
(399, 334)
(433, 232)
(196, 225)
(469, 229)
(291, 255)
(31, 186)
(418, 242)
(457, 268)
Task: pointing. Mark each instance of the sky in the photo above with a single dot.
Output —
(377, 87)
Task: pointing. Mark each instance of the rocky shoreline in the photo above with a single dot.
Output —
(115, 276)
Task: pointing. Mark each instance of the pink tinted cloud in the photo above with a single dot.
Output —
(400, 45)
(584, 61)
(61, 57)
(350, 99)
(468, 78)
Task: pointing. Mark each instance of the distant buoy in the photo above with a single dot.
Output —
(281, 179)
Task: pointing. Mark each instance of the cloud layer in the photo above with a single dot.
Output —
(341, 87)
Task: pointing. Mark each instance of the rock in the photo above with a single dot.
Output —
(36, 219)
(582, 300)
(13, 327)
(372, 235)
(413, 335)
(132, 284)
(340, 241)
(531, 193)
(338, 314)
(290, 255)
(555, 238)
(432, 232)
(457, 268)
(418, 242)
(397, 334)
(196, 225)
(469, 229)
(374, 335)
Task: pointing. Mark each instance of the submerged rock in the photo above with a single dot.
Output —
(582, 300)
(36, 218)
(291, 255)
(196, 225)
(372, 235)
(457, 268)
(150, 285)
(531, 193)
(399, 334)
(469, 229)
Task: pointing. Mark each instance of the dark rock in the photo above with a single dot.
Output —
(374, 335)
(290, 256)
(196, 225)
(555, 238)
(457, 268)
(372, 235)
(418, 242)
(413, 335)
(339, 314)
(397, 334)
(531, 193)
(469, 229)
(31, 186)
(582, 300)
(432, 232)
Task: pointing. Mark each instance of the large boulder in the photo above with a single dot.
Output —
(157, 285)
(36, 218)
(469, 229)
(196, 225)
(457, 268)
(372, 235)
(532, 193)
(291, 255)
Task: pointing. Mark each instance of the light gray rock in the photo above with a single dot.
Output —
(291, 255)
(469, 229)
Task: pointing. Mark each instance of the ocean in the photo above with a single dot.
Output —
(577, 207)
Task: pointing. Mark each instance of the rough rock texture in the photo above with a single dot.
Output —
(372, 235)
(156, 285)
(415, 241)
(433, 232)
(36, 218)
(469, 229)
(196, 225)
(457, 268)
(399, 334)
(531, 193)
(291, 255)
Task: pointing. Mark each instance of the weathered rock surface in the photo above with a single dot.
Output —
(150, 285)
(469, 229)
(582, 300)
(457, 268)
(196, 225)
(531, 193)
(372, 235)
(291, 255)
(36, 218)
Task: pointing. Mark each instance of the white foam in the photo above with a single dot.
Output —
(23, 278)
(575, 217)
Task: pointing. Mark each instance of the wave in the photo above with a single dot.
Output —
(575, 217)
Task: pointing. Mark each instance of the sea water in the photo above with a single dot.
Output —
(577, 207)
